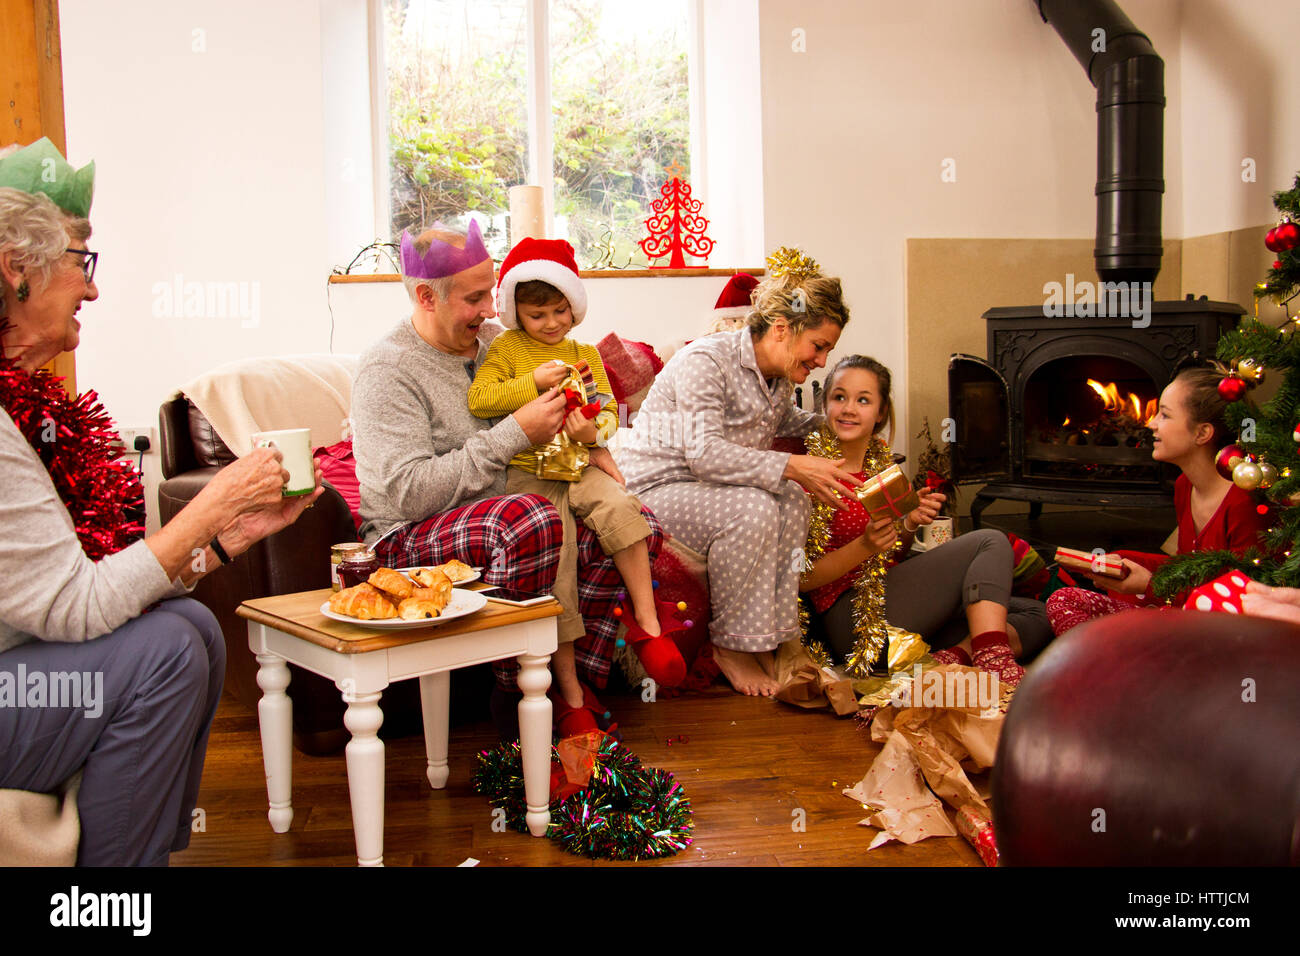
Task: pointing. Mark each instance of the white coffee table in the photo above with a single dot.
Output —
(362, 662)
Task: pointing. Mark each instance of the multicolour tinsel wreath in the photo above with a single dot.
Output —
(627, 812)
(74, 439)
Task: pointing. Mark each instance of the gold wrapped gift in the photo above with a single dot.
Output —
(562, 458)
(905, 649)
(888, 494)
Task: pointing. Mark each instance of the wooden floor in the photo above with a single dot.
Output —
(747, 765)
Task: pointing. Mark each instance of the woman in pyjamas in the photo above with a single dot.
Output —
(700, 457)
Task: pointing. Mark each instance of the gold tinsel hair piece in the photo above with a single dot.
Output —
(792, 262)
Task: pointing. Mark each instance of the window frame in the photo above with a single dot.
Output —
(541, 142)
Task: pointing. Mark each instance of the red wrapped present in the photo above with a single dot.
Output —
(1093, 562)
(974, 824)
(1222, 594)
(888, 494)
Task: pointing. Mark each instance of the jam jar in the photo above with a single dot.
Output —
(357, 566)
(337, 553)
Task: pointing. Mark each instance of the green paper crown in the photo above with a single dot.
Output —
(41, 168)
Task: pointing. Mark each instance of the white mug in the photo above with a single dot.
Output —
(937, 532)
(295, 447)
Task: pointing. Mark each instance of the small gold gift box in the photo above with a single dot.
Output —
(888, 494)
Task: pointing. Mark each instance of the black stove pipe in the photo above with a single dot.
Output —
(1130, 81)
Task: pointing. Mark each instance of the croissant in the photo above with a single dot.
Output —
(433, 579)
(363, 602)
(456, 570)
(425, 603)
(395, 585)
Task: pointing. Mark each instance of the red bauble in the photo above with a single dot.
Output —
(1231, 389)
(1287, 236)
(1229, 458)
(1270, 241)
(1277, 263)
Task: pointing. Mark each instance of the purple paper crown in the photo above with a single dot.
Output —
(443, 259)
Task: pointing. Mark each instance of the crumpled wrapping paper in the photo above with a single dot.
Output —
(926, 753)
(806, 684)
(894, 788)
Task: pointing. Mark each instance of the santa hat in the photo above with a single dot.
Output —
(551, 261)
(736, 299)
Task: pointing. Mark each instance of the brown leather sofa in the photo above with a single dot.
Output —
(296, 559)
(1155, 738)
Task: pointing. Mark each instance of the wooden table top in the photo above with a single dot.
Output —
(299, 614)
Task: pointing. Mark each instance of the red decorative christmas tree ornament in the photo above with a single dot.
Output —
(1270, 241)
(1287, 236)
(1232, 388)
(676, 225)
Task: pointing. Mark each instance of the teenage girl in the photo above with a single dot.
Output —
(1213, 514)
(957, 596)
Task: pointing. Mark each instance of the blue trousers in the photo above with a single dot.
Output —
(141, 738)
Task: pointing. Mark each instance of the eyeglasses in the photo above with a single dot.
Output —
(88, 262)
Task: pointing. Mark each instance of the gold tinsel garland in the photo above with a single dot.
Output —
(868, 603)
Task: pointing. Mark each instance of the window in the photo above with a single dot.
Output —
(602, 103)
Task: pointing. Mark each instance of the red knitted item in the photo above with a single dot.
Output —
(991, 652)
(952, 655)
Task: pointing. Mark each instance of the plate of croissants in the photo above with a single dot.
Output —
(390, 600)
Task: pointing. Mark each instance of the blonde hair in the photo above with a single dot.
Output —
(804, 303)
(36, 231)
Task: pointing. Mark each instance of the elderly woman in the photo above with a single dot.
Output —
(701, 458)
(104, 667)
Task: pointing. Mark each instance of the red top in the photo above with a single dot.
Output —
(845, 525)
(1235, 526)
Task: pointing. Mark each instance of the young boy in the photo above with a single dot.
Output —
(540, 298)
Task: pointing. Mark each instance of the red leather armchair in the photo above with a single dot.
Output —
(1155, 738)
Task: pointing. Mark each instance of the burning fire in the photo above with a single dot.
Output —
(1132, 407)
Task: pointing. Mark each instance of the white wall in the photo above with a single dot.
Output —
(1241, 99)
(857, 127)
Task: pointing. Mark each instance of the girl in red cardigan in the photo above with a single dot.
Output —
(1213, 513)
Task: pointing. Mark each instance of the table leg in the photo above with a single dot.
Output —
(435, 698)
(365, 757)
(535, 740)
(275, 720)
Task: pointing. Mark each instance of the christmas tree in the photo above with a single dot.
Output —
(1266, 457)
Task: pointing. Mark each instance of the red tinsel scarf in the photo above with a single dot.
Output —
(72, 438)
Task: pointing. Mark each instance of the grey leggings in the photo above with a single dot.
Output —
(928, 594)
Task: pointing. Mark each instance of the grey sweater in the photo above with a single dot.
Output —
(52, 591)
(418, 449)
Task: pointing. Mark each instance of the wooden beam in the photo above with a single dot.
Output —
(31, 82)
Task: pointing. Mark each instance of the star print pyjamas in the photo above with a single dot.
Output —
(752, 541)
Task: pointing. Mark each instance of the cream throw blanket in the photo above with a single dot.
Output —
(265, 394)
(40, 829)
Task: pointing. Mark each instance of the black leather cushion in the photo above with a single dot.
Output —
(209, 449)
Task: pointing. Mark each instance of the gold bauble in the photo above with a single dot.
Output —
(1251, 370)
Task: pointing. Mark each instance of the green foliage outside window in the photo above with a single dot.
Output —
(457, 119)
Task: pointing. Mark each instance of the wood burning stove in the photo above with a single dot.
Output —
(1057, 413)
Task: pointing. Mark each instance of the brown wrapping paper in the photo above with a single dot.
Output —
(805, 684)
(941, 742)
(904, 809)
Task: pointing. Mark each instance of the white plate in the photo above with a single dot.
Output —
(478, 573)
(461, 604)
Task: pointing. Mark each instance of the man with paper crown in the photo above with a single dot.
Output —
(433, 476)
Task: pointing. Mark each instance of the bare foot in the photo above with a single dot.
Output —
(767, 661)
(744, 672)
